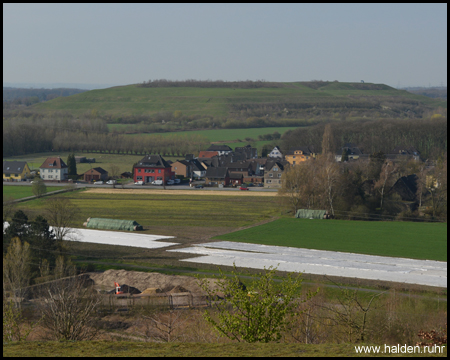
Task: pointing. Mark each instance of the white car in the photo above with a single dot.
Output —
(111, 182)
(170, 182)
(140, 182)
(157, 182)
(177, 181)
(98, 183)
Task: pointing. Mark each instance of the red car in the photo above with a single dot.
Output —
(243, 188)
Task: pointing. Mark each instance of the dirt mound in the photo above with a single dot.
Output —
(152, 291)
(178, 289)
(143, 280)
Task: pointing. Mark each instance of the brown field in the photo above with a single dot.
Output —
(181, 192)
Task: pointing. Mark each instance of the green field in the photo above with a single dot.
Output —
(220, 135)
(398, 239)
(20, 192)
(176, 349)
(103, 160)
(221, 102)
(168, 210)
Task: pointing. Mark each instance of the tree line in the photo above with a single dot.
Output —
(429, 136)
(247, 84)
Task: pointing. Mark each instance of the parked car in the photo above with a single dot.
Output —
(170, 182)
(140, 182)
(111, 182)
(243, 188)
(199, 186)
(157, 182)
(260, 185)
(177, 181)
(249, 184)
(98, 183)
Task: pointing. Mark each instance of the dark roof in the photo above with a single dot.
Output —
(271, 163)
(53, 163)
(100, 170)
(351, 150)
(406, 187)
(217, 173)
(236, 176)
(155, 161)
(14, 166)
(249, 152)
(214, 147)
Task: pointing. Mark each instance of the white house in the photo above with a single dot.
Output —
(275, 153)
(54, 168)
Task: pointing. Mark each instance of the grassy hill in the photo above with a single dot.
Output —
(293, 100)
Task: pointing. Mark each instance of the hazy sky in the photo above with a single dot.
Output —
(396, 44)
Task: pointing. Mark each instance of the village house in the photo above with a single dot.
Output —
(153, 167)
(275, 153)
(182, 168)
(54, 169)
(95, 174)
(273, 172)
(300, 154)
(351, 152)
(248, 151)
(404, 152)
(15, 170)
(217, 176)
(215, 150)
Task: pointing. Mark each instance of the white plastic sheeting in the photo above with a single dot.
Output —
(411, 271)
(116, 238)
(120, 238)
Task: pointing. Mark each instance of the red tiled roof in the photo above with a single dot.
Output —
(53, 163)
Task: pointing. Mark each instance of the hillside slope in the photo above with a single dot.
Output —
(286, 100)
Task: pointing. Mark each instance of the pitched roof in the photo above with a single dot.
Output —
(216, 172)
(215, 147)
(100, 170)
(406, 187)
(156, 161)
(14, 166)
(271, 163)
(53, 163)
(307, 150)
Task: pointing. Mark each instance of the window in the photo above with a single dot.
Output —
(268, 181)
(7, 175)
(293, 163)
(293, 157)
(43, 176)
(16, 174)
(279, 175)
(50, 176)
(146, 170)
(270, 175)
(139, 170)
(275, 169)
(159, 171)
(159, 178)
(152, 171)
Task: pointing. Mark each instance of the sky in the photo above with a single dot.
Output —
(119, 44)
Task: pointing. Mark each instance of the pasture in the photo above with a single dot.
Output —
(397, 239)
(103, 160)
(20, 192)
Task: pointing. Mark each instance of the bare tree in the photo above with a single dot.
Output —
(387, 170)
(61, 214)
(38, 187)
(69, 308)
(114, 171)
(8, 207)
(329, 178)
(16, 269)
(163, 325)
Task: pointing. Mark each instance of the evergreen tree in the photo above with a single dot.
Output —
(18, 227)
(72, 167)
(42, 242)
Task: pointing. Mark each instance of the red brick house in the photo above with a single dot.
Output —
(152, 167)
